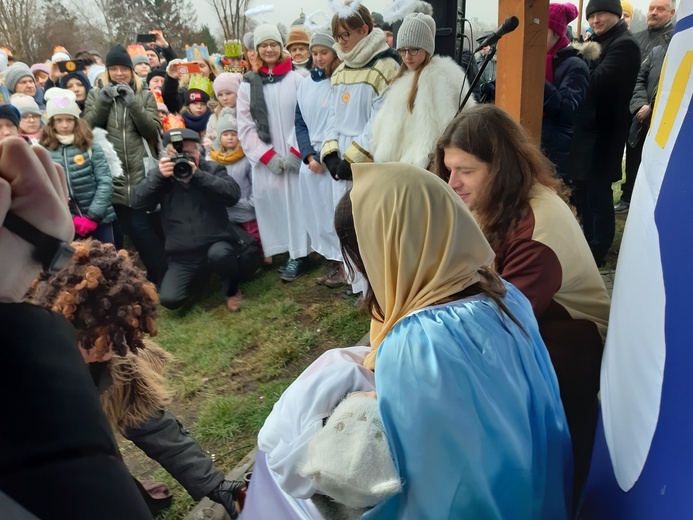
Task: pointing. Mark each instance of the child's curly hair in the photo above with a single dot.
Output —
(108, 300)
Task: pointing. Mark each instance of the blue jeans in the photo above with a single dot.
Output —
(103, 233)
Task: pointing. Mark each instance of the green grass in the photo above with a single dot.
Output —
(230, 368)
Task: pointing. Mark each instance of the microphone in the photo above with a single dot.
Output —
(509, 25)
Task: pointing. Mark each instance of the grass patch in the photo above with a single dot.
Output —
(230, 369)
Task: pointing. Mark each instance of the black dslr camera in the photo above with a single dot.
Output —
(182, 160)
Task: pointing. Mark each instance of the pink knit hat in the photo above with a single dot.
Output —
(227, 81)
(560, 15)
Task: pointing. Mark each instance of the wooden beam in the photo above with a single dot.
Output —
(580, 9)
(522, 62)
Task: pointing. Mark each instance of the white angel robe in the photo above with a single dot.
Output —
(276, 197)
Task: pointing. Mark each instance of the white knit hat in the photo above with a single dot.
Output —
(267, 32)
(61, 102)
(418, 31)
(349, 459)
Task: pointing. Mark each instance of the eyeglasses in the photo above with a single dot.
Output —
(31, 116)
(344, 37)
(412, 52)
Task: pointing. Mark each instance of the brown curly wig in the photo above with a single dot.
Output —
(108, 300)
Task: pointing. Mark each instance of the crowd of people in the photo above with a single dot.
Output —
(475, 250)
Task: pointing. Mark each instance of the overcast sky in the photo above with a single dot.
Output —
(286, 11)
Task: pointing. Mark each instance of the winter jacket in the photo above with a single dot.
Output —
(648, 80)
(63, 436)
(89, 181)
(603, 120)
(126, 127)
(651, 38)
(410, 137)
(193, 215)
(244, 209)
(562, 100)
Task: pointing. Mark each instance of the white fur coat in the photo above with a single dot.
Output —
(410, 137)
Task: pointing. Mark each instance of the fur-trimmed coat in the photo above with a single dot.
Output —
(409, 137)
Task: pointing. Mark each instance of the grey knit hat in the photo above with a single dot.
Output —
(321, 39)
(225, 124)
(140, 58)
(248, 40)
(16, 72)
(418, 31)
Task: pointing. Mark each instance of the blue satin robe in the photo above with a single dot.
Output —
(472, 411)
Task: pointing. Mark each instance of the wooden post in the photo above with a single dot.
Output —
(579, 33)
(522, 62)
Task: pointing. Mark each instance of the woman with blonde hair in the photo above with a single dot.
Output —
(422, 99)
(128, 113)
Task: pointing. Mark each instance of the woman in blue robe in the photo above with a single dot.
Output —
(466, 392)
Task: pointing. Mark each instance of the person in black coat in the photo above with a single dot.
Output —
(567, 76)
(602, 124)
(658, 34)
(195, 221)
(58, 456)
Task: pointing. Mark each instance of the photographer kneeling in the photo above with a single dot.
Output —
(194, 194)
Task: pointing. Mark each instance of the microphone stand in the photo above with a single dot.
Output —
(487, 60)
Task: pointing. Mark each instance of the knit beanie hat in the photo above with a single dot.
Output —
(266, 32)
(248, 40)
(117, 55)
(226, 122)
(607, 6)
(61, 102)
(154, 73)
(297, 35)
(78, 75)
(140, 58)
(94, 72)
(560, 15)
(15, 73)
(42, 67)
(10, 113)
(418, 31)
(230, 81)
(627, 7)
(194, 96)
(25, 104)
(321, 39)
(349, 459)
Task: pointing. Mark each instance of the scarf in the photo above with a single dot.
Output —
(66, 140)
(196, 123)
(560, 44)
(318, 74)
(364, 51)
(419, 242)
(258, 106)
(227, 158)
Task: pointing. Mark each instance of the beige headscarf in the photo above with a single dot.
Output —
(418, 241)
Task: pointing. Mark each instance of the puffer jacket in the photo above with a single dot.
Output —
(89, 181)
(562, 100)
(126, 126)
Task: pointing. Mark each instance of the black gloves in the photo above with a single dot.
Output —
(332, 161)
(226, 493)
(344, 171)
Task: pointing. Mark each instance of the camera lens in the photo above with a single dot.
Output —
(181, 168)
